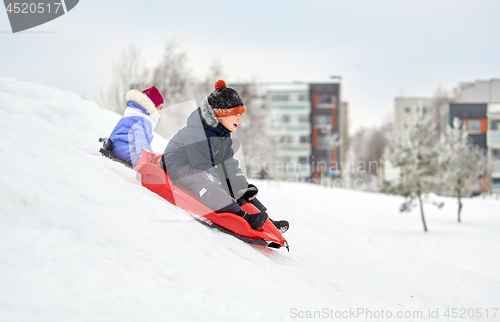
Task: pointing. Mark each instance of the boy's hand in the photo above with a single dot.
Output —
(251, 192)
(247, 194)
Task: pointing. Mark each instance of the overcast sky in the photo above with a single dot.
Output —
(380, 48)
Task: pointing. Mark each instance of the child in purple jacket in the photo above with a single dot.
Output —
(135, 129)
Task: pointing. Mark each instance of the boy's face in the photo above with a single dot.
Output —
(230, 122)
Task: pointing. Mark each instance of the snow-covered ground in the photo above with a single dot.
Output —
(82, 240)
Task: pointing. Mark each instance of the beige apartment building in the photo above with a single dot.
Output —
(407, 109)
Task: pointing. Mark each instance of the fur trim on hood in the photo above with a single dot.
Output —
(208, 113)
(144, 101)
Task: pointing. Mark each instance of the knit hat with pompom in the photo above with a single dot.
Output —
(224, 101)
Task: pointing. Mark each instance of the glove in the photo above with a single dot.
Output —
(247, 194)
(251, 192)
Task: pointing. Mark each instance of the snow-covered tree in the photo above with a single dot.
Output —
(170, 75)
(128, 71)
(206, 85)
(459, 160)
(367, 147)
(417, 159)
(173, 79)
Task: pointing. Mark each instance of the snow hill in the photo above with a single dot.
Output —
(82, 240)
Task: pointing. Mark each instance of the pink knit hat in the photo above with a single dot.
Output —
(154, 94)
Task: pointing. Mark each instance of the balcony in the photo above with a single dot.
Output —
(495, 185)
(493, 138)
(496, 166)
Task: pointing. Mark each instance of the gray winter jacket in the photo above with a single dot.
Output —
(205, 144)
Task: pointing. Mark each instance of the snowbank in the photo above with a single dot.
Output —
(81, 240)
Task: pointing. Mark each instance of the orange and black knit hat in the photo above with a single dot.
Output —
(222, 102)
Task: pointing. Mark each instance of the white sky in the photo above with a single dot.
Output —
(380, 48)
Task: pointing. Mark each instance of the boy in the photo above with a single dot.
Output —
(200, 157)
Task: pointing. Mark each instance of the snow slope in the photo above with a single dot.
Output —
(82, 240)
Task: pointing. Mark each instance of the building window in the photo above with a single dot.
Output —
(285, 139)
(324, 140)
(495, 125)
(324, 98)
(427, 109)
(407, 109)
(474, 126)
(321, 119)
(303, 118)
(304, 139)
(303, 98)
(284, 118)
(320, 164)
(495, 183)
(302, 159)
(280, 98)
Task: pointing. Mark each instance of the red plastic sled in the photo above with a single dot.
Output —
(155, 179)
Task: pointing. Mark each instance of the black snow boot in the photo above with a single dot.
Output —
(282, 225)
(256, 221)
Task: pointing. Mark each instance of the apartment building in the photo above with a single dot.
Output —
(477, 105)
(289, 125)
(479, 91)
(407, 109)
(493, 144)
(306, 126)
